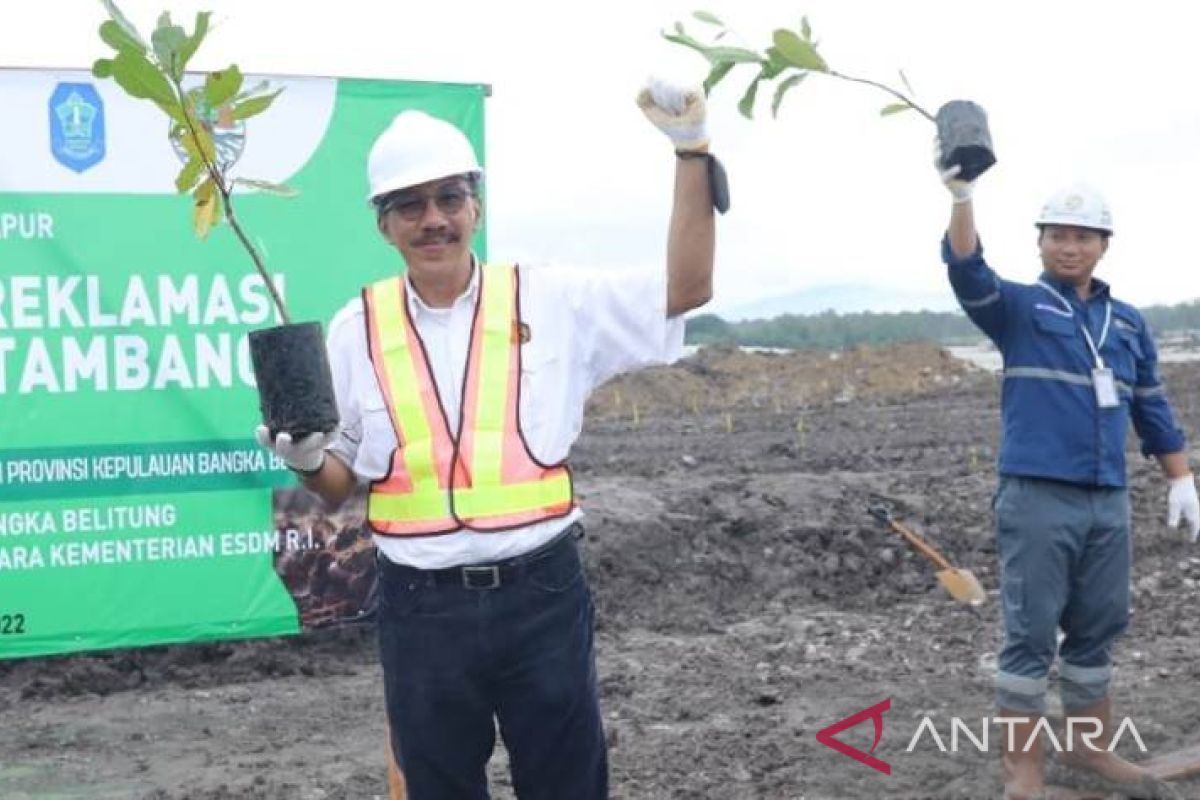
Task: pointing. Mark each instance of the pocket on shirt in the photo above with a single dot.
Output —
(1122, 354)
(1054, 324)
(1131, 341)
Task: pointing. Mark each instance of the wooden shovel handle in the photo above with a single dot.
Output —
(925, 547)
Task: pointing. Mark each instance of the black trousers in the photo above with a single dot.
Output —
(463, 649)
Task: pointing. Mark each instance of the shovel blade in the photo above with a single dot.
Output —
(962, 585)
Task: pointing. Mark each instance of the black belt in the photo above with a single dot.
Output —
(482, 576)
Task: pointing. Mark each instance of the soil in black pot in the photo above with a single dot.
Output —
(295, 388)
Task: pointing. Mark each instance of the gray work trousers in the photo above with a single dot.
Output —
(1065, 556)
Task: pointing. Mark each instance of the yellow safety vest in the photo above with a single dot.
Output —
(485, 479)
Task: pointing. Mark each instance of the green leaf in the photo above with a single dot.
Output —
(257, 88)
(172, 109)
(168, 40)
(116, 37)
(805, 29)
(201, 142)
(102, 68)
(186, 180)
(783, 88)
(279, 189)
(715, 75)
(746, 104)
(776, 63)
(798, 52)
(904, 80)
(139, 78)
(193, 42)
(195, 139)
(737, 55)
(687, 41)
(254, 105)
(221, 86)
(704, 16)
(125, 24)
(204, 190)
(894, 108)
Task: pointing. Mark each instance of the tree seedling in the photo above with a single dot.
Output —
(793, 56)
(206, 122)
(206, 128)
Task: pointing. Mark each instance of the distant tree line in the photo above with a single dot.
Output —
(830, 330)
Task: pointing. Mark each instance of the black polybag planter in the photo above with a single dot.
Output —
(963, 132)
(295, 389)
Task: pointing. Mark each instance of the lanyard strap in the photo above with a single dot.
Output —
(1087, 335)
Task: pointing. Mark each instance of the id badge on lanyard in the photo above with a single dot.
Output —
(1103, 381)
(1102, 377)
(1106, 387)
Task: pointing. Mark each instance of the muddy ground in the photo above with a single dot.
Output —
(745, 600)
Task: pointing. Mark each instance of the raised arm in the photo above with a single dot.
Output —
(961, 233)
(692, 239)
(976, 286)
(679, 113)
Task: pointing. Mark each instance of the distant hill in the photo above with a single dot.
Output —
(841, 298)
(830, 329)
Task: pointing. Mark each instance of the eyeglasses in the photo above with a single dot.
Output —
(411, 205)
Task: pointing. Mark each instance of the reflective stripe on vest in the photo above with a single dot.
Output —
(486, 480)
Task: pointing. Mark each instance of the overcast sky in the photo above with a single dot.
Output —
(830, 193)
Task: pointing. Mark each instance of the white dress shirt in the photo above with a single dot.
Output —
(585, 327)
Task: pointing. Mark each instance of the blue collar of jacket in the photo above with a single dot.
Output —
(1099, 289)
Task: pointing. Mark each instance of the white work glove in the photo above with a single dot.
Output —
(1183, 504)
(960, 190)
(677, 111)
(305, 456)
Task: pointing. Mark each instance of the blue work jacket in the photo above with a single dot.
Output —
(1053, 425)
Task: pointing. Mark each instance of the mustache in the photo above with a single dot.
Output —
(437, 237)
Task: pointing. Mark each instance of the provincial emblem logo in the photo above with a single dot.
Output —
(77, 138)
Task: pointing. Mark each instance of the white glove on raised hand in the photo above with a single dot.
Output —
(1183, 504)
(960, 190)
(677, 111)
(306, 455)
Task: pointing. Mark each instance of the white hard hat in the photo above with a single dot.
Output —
(417, 148)
(1078, 205)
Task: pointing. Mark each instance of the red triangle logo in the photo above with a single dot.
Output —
(874, 713)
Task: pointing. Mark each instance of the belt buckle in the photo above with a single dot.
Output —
(490, 574)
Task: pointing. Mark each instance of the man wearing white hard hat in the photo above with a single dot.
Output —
(461, 387)
(1079, 365)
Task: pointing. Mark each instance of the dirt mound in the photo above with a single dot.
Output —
(721, 378)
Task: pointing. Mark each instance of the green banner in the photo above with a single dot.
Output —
(135, 508)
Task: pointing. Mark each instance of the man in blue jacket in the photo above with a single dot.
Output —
(1078, 366)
